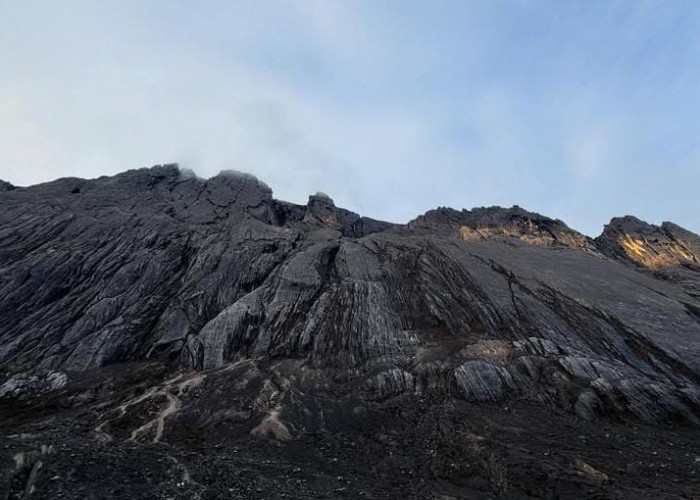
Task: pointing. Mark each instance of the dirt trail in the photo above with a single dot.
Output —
(172, 389)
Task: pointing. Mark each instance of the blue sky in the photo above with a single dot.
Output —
(580, 110)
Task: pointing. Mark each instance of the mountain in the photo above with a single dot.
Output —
(166, 336)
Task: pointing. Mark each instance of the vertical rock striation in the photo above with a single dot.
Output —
(484, 305)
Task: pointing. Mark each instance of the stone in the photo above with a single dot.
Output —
(498, 303)
(482, 381)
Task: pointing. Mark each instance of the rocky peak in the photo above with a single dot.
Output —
(321, 210)
(144, 179)
(5, 186)
(648, 245)
(232, 187)
(321, 199)
(500, 224)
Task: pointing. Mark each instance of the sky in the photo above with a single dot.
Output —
(581, 110)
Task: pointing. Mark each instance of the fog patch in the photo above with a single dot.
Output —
(187, 174)
(238, 175)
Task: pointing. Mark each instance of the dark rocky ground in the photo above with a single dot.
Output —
(340, 446)
(164, 336)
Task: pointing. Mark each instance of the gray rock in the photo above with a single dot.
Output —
(482, 381)
(668, 245)
(390, 383)
(22, 383)
(157, 264)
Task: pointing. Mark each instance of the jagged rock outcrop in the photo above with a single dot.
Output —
(650, 246)
(668, 252)
(323, 314)
(500, 224)
(21, 383)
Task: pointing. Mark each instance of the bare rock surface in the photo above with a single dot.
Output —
(165, 336)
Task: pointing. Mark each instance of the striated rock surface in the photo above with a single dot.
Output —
(507, 225)
(668, 252)
(650, 246)
(276, 324)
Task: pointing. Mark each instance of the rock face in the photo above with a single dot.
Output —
(650, 246)
(485, 307)
(668, 252)
(506, 225)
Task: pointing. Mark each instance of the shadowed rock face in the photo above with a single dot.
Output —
(489, 306)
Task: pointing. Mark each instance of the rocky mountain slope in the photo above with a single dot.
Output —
(165, 336)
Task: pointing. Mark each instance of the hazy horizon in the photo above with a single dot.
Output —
(580, 111)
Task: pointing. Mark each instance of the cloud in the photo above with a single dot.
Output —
(390, 110)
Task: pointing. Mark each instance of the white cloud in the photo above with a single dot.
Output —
(392, 113)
